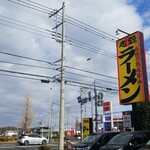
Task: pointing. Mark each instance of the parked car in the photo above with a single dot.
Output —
(27, 139)
(128, 141)
(146, 147)
(94, 141)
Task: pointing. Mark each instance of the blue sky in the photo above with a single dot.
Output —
(106, 17)
(142, 8)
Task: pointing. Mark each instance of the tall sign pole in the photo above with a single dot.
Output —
(62, 88)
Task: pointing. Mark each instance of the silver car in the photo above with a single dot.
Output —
(32, 138)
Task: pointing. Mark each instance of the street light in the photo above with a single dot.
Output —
(118, 30)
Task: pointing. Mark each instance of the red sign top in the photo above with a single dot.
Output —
(106, 106)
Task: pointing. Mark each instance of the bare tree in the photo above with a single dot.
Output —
(27, 114)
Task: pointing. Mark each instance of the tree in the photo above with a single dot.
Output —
(143, 116)
(27, 114)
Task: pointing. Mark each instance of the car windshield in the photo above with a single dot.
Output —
(121, 139)
(91, 139)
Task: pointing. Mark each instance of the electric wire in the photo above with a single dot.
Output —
(28, 74)
(69, 40)
(51, 79)
(91, 72)
(71, 20)
(2, 74)
(21, 22)
(80, 23)
(42, 67)
(27, 65)
(90, 77)
(29, 6)
(24, 2)
(39, 60)
(24, 57)
(69, 82)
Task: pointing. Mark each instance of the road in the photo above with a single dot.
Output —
(30, 147)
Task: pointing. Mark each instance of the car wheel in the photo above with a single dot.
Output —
(26, 143)
(43, 142)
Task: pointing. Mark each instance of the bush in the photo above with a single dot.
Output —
(44, 147)
(2, 139)
(7, 139)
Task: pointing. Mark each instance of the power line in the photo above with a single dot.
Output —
(90, 77)
(29, 6)
(20, 64)
(27, 65)
(21, 22)
(29, 58)
(28, 74)
(39, 60)
(2, 74)
(72, 21)
(44, 32)
(80, 23)
(91, 72)
(51, 79)
(88, 85)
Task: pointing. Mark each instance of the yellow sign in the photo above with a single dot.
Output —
(87, 126)
(132, 74)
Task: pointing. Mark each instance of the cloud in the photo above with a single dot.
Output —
(35, 42)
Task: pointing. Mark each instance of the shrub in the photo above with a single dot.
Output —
(44, 147)
(2, 139)
(6, 139)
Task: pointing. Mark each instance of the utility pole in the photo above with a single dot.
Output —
(67, 110)
(62, 88)
(81, 121)
(50, 119)
(81, 101)
(96, 123)
(62, 84)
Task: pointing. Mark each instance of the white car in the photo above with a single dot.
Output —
(32, 138)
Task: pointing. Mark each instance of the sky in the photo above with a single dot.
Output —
(30, 48)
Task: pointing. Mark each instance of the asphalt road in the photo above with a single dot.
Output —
(29, 147)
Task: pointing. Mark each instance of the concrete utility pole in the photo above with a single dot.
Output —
(67, 111)
(62, 88)
(81, 121)
(50, 120)
(96, 115)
